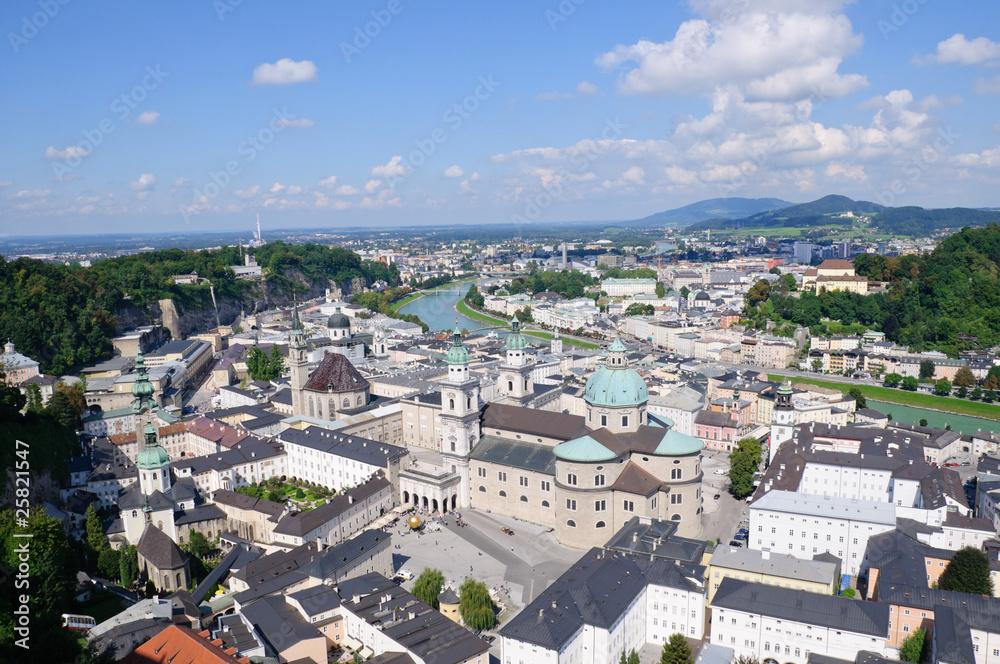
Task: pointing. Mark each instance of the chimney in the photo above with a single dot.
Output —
(765, 554)
(554, 605)
(635, 537)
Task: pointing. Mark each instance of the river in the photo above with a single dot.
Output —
(437, 309)
(911, 415)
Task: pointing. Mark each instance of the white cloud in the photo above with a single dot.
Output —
(372, 185)
(181, 182)
(851, 172)
(394, 169)
(301, 123)
(779, 50)
(32, 193)
(964, 51)
(586, 88)
(454, 172)
(143, 186)
(284, 71)
(290, 190)
(249, 192)
(987, 86)
(147, 118)
(277, 187)
(465, 185)
(346, 190)
(328, 182)
(551, 96)
(73, 151)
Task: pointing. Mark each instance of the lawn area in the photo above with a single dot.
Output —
(465, 310)
(102, 606)
(893, 395)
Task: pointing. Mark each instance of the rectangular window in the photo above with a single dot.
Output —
(502, 476)
(481, 472)
(599, 480)
(624, 420)
(571, 479)
(546, 486)
(628, 506)
(600, 505)
(523, 481)
(604, 420)
(571, 505)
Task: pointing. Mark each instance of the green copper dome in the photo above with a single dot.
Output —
(515, 340)
(152, 455)
(675, 443)
(457, 354)
(583, 450)
(615, 387)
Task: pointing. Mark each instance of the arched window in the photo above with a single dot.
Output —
(468, 402)
(347, 402)
(571, 523)
(451, 404)
(510, 386)
(600, 524)
(135, 513)
(311, 414)
(359, 399)
(524, 499)
(179, 579)
(483, 489)
(503, 494)
(159, 524)
(676, 517)
(154, 474)
(545, 503)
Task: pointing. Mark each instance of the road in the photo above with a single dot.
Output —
(723, 515)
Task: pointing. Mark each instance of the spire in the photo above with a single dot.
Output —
(296, 323)
(142, 389)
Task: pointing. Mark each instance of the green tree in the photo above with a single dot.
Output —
(428, 586)
(257, 364)
(912, 647)
(816, 364)
(968, 571)
(893, 379)
(476, 605)
(743, 463)
(976, 394)
(927, 368)
(524, 314)
(33, 398)
(275, 362)
(923, 422)
(758, 293)
(685, 291)
(910, 384)
(676, 651)
(858, 396)
(660, 289)
(962, 392)
(128, 566)
(640, 309)
(964, 377)
(95, 534)
(633, 657)
(198, 544)
(942, 388)
(109, 564)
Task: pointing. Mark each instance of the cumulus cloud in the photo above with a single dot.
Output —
(394, 169)
(249, 192)
(372, 185)
(284, 71)
(959, 49)
(586, 88)
(290, 190)
(454, 172)
(147, 118)
(346, 190)
(775, 50)
(466, 185)
(143, 186)
(328, 182)
(301, 123)
(73, 151)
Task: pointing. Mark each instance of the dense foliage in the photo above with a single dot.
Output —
(676, 651)
(63, 316)
(968, 571)
(931, 299)
(476, 605)
(568, 283)
(428, 586)
(263, 366)
(46, 434)
(382, 303)
(743, 463)
(912, 647)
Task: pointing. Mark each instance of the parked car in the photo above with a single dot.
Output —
(743, 531)
(489, 638)
(740, 536)
(405, 575)
(735, 543)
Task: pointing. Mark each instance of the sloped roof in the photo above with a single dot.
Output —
(181, 645)
(560, 426)
(336, 373)
(635, 480)
(159, 550)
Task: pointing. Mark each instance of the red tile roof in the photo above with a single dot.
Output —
(336, 373)
(217, 432)
(181, 645)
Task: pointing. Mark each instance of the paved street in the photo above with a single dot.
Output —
(721, 516)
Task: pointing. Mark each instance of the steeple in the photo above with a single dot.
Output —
(296, 323)
(142, 389)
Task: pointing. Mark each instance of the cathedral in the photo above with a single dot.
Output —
(585, 476)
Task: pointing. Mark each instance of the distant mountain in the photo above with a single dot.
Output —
(714, 208)
(803, 214)
(919, 222)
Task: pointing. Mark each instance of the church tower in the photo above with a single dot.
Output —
(783, 421)
(616, 396)
(516, 385)
(298, 363)
(459, 414)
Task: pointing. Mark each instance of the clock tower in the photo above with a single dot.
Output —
(459, 414)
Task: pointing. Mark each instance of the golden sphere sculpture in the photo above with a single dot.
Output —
(415, 522)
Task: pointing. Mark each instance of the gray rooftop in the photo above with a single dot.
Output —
(783, 565)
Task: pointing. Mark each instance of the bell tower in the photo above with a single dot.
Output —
(783, 420)
(515, 383)
(459, 414)
(298, 363)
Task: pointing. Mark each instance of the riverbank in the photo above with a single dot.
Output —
(467, 311)
(399, 304)
(914, 399)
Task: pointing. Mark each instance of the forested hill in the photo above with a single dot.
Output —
(912, 221)
(931, 299)
(64, 316)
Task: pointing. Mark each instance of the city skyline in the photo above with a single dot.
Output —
(391, 114)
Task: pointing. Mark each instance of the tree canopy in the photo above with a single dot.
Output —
(676, 651)
(428, 586)
(968, 571)
(476, 605)
(743, 463)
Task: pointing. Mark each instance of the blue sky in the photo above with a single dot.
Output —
(183, 116)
